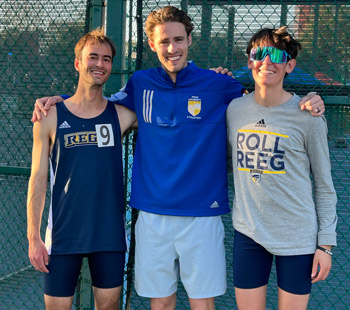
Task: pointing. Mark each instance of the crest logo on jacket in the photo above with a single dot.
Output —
(194, 105)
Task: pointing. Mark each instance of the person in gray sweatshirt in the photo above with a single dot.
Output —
(278, 211)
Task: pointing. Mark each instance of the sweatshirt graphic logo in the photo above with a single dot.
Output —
(260, 123)
(194, 106)
(256, 176)
(261, 152)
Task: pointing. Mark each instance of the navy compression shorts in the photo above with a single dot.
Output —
(252, 267)
(106, 268)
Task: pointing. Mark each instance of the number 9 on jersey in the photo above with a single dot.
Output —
(104, 134)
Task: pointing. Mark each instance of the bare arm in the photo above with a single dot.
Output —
(42, 132)
(43, 105)
(127, 119)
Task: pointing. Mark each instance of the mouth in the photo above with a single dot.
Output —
(265, 71)
(97, 72)
(174, 58)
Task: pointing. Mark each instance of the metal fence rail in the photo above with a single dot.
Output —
(37, 40)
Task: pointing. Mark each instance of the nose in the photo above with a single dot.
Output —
(99, 62)
(267, 59)
(171, 48)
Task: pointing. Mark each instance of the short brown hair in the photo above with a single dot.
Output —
(167, 14)
(96, 37)
(279, 37)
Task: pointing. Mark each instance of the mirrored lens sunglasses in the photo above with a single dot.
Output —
(277, 56)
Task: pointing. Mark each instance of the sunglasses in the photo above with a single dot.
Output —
(277, 56)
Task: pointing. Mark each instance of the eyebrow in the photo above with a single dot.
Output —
(94, 54)
(176, 38)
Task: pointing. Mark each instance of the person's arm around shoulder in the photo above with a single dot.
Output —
(127, 119)
(125, 96)
(313, 103)
(43, 137)
(222, 70)
(43, 105)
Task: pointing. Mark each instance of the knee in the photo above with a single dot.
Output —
(108, 305)
(165, 303)
(107, 299)
(202, 304)
(58, 303)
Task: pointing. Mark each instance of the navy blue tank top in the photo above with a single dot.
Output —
(87, 203)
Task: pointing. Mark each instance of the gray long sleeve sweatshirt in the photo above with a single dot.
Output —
(274, 152)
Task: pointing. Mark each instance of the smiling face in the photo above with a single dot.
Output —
(95, 64)
(269, 74)
(170, 42)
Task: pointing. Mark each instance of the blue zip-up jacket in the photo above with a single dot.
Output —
(180, 158)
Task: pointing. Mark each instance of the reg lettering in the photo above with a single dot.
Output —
(261, 152)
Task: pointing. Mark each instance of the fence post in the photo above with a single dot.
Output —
(115, 24)
(94, 14)
(230, 36)
(284, 11)
(206, 24)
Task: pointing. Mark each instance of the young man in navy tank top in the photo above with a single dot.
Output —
(81, 140)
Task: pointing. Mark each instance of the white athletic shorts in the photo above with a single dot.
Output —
(169, 247)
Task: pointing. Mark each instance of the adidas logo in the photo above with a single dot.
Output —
(64, 125)
(215, 205)
(260, 123)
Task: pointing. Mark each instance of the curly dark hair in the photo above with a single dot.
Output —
(280, 38)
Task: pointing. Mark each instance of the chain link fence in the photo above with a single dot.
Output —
(37, 41)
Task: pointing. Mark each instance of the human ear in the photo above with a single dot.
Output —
(249, 62)
(151, 45)
(76, 64)
(291, 65)
(189, 38)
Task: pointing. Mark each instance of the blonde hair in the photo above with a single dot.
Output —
(96, 37)
(164, 15)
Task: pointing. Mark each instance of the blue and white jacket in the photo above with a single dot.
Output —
(180, 158)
